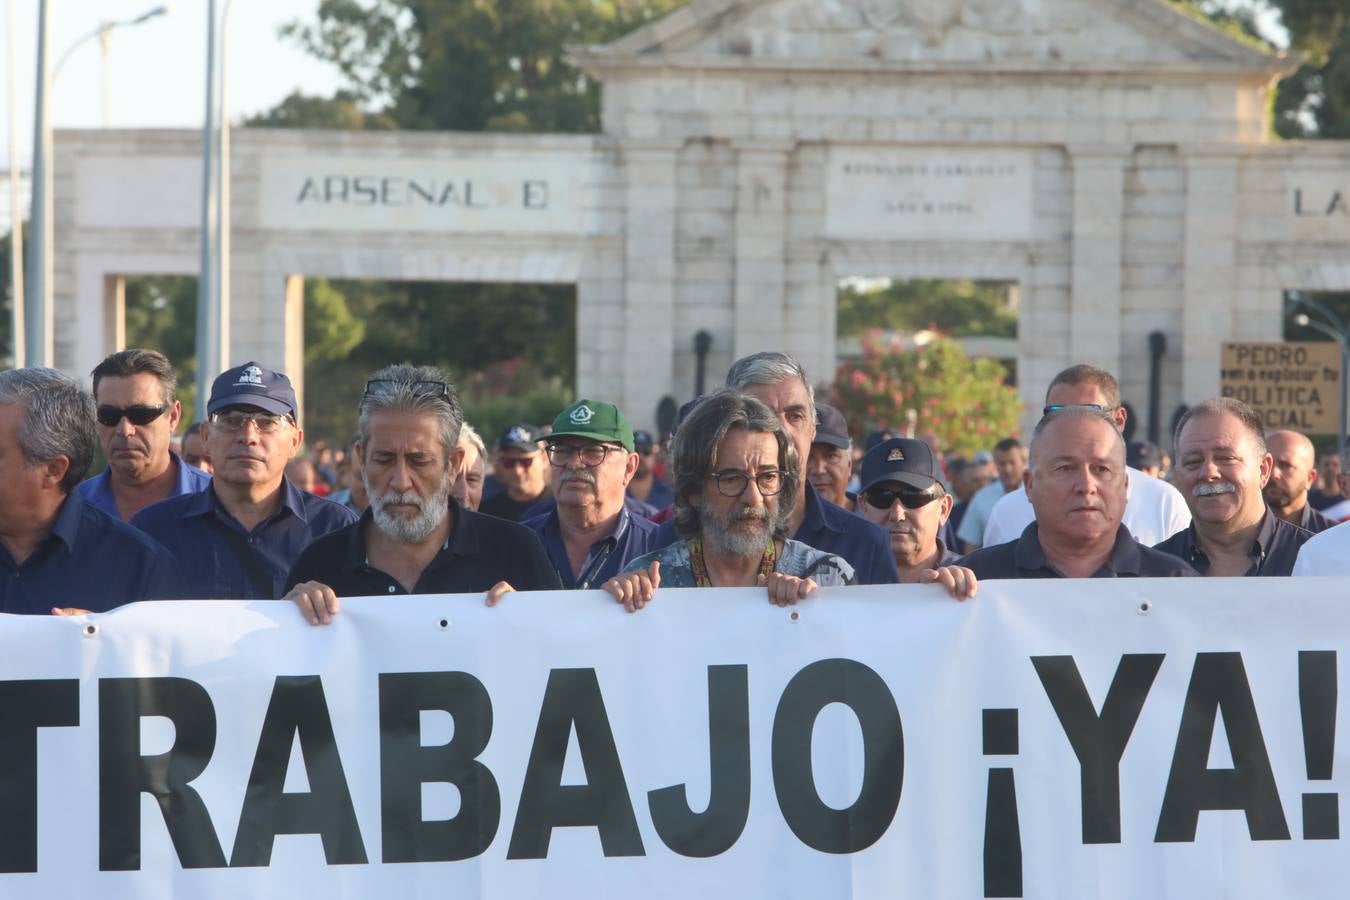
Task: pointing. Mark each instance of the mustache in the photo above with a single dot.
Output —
(384, 500)
(1210, 489)
(581, 475)
(749, 514)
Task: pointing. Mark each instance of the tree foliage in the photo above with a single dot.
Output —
(495, 65)
(161, 313)
(956, 308)
(966, 402)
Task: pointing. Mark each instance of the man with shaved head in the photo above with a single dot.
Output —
(1077, 483)
(1222, 470)
(1294, 475)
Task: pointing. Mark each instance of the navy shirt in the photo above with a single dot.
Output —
(91, 561)
(1314, 522)
(660, 496)
(634, 506)
(632, 537)
(1271, 554)
(479, 552)
(1025, 558)
(833, 529)
(196, 529)
(97, 491)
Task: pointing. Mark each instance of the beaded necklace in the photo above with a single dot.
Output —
(696, 562)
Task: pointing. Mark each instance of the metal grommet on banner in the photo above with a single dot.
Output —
(1145, 608)
(796, 616)
(90, 630)
(445, 623)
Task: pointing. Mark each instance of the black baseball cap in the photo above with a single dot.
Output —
(1142, 455)
(252, 385)
(831, 427)
(905, 460)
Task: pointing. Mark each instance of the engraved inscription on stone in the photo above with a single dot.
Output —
(1317, 205)
(451, 195)
(945, 194)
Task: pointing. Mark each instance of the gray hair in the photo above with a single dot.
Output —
(1074, 414)
(413, 389)
(58, 419)
(469, 435)
(768, 367)
(694, 449)
(1219, 406)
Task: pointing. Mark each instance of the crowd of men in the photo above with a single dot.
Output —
(759, 485)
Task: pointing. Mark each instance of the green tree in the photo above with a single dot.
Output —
(494, 65)
(341, 111)
(161, 313)
(956, 308)
(6, 301)
(966, 402)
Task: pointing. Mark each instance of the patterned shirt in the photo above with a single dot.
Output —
(796, 559)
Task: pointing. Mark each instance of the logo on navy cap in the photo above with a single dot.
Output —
(250, 375)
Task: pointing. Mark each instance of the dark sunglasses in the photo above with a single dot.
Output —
(881, 498)
(109, 416)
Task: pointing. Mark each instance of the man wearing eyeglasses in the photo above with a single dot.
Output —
(238, 538)
(137, 412)
(520, 471)
(415, 538)
(902, 492)
(1154, 509)
(589, 533)
(1077, 482)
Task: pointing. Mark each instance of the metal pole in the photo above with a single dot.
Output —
(38, 291)
(16, 294)
(1345, 393)
(222, 272)
(208, 366)
(104, 41)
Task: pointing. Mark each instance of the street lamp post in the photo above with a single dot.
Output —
(16, 292)
(1334, 328)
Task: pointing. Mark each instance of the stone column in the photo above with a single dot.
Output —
(1209, 257)
(647, 354)
(1098, 229)
(761, 235)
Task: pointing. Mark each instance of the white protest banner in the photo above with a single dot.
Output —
(1051, 739)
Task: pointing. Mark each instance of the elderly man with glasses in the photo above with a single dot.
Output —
(238, 538)
(415, 538)
(137, 412)
(589, 534)
(902, 492)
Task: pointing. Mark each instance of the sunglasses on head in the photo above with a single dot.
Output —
(910, 498)
(110, 416)
(1094, 407)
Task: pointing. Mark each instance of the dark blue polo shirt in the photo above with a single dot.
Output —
(631, 538)
(832, 529)
(1314, 522)
(660, 496)
(635, 507)
(1025, 558)
(97, 491)
(91, 561)
(479, 552)
(196, 529)
(1272, 554)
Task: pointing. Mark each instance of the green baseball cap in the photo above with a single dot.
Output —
(594, 420)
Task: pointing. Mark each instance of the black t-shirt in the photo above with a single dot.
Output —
(503, 507)
(1024, 558)
(479, 552)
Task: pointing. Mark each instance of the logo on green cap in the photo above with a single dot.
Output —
(582, 415)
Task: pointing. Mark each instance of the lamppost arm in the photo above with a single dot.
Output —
(103, 28)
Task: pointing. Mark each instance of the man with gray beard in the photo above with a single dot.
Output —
(736, 479)
(415, 538)
(1222, 468)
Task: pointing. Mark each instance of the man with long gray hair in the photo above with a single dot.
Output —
(58, 553)
(415, 538)
(778, 381)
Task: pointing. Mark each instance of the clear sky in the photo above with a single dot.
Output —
(157, 71)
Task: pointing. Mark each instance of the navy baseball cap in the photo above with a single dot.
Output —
(1142, 455)
(831, 427)
(520, 437)
(252, 385)
(643, 442)
(905, 460)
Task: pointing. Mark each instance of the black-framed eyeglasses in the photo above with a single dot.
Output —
(139, 414)
(591, 455)
(436, 389)
(732, 483)
(235, 420)
(910, 498)
(1094, 407)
